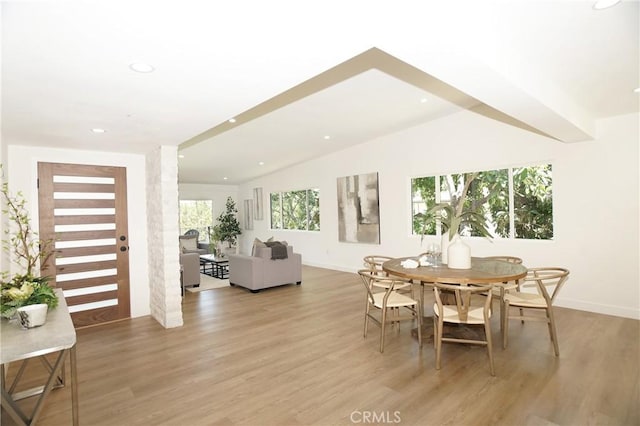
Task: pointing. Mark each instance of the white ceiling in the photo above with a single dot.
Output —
(293, 72)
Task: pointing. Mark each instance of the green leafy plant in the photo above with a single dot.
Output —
(457, 213)
(23, 290)
(27, 251)
(214, 240)
(228, 227)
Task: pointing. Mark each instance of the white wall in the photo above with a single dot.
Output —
(4, 255)
(596, 206)
(22, 176)
(595, 190)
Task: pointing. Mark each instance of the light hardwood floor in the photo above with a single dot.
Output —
(295, 355)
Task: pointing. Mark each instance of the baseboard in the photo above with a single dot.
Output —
(332, 267)
(617, 311)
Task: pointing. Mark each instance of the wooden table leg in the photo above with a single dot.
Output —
(427, 320)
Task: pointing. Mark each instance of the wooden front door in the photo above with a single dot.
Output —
(83, 213)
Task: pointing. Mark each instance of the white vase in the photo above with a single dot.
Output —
(459, 255)
(445, 243)
(32, 315)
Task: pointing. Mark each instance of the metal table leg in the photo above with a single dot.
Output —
(9, 398)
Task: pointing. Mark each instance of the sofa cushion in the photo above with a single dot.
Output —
(188, 243)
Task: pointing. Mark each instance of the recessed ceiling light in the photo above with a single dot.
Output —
(327, 137)
(261, 163)
(180, 155)
(97, 130)
(141, 67)
(225, 178)
(232, 120)
(636, 90)
(423, 100)
(603, 4)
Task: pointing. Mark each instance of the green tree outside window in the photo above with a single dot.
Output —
(299, 210)
(198, 215)
(489, 195)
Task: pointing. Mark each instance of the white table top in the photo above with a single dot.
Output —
(55, 335)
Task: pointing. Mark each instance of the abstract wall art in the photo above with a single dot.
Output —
(358, 209)
(258, 212)
(248, 214)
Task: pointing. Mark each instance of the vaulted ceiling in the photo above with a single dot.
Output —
(303, 79)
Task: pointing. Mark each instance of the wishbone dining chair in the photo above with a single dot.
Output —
(499, 290)
(407, 308)
(547, 281)
(462, 312)
(374, 263)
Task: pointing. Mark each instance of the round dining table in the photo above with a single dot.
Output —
(482, 271)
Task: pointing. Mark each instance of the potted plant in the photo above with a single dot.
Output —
(228, 227)
(456, 215)
(214, 241)
(27, 251)
(22, 292)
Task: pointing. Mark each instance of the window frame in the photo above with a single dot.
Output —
(204, 232)
(307, 220)
(511, 200)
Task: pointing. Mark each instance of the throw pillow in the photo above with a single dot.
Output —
(256, 244)
(188, 243)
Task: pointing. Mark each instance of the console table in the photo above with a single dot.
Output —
(57, 335)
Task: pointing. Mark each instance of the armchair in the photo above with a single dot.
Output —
(190, 251)
(190, 263)
(261, 271)
(189, 243)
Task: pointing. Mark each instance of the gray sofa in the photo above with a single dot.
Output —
(260, 271)
(190, 264)
(190, 251)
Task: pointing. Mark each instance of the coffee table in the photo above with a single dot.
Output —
(217, 267)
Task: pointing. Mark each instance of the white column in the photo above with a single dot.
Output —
(163, 231)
